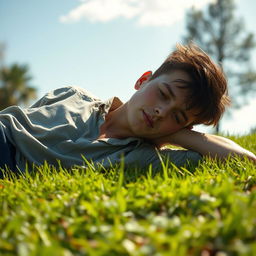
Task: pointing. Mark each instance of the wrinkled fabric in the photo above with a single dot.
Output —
(63, 127)
(7, 153)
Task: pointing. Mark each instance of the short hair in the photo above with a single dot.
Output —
(208, 90)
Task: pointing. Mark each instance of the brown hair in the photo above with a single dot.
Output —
(208, 86)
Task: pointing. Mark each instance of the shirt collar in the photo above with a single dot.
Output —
(110, 105)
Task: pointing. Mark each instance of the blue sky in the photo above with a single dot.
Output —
(102, 45)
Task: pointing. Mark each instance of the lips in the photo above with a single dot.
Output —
(148, 119)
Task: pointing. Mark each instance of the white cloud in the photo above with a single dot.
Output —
(103, 10)
(145, 12)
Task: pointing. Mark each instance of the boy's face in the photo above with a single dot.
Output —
(159, 106)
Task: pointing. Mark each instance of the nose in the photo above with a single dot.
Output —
(161, 111)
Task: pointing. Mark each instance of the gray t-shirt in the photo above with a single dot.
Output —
(63, 127)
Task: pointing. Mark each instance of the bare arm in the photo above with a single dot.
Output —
(205, 144)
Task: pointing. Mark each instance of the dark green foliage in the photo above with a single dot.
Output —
(206, 210)
(14, 86)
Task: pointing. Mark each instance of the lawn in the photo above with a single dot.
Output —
(205, 210)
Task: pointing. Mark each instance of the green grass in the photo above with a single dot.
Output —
(206, 210)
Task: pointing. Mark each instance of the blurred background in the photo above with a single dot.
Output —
(105, 45)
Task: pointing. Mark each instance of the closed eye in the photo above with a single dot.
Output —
(162, 94)
(180, 117)
(177, 118)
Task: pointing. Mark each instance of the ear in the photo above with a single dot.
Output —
(145, 77)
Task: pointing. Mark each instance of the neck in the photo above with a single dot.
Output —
(116, 124)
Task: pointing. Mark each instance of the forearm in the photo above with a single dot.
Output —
(209, 145)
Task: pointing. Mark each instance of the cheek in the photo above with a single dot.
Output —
(142, 96)
(171, 127)
(147, 96)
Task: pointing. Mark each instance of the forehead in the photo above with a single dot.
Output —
(175, 76)
(178, 83)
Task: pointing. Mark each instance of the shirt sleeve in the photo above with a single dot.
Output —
(179, 157)
(146, 155)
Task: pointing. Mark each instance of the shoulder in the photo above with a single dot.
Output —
(73, 89)
(73, 92)
(67, 94)
(83, 92)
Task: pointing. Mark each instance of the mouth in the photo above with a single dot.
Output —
(148, 119)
